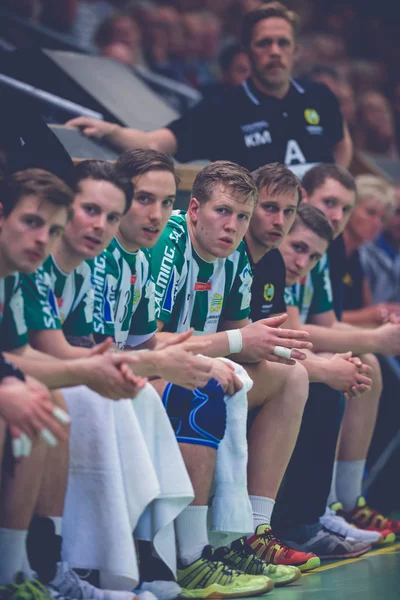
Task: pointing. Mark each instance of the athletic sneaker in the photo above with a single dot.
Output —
(328, 544)
(69, 584)
(273, 551)
(209, 577)
(381, 536)
(241, 556)
(364, 517)
(332, 521)
(24, 589)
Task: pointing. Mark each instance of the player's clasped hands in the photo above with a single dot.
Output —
(262, 338)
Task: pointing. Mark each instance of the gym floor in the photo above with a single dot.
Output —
(372, 576)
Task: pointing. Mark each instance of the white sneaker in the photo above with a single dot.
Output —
(69, 584)
(339, 525)
(162, 590)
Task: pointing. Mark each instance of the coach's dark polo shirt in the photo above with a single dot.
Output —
(253, 129)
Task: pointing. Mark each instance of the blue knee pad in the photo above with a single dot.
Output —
(197, 417)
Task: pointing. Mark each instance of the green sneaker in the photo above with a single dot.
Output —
(24, 589)
(209, 577)
(244, 558)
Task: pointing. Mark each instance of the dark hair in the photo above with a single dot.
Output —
(136, 162)
(34, 182)
(313, 219)
(267, 11)
(101, 170)
(228, 55)
(316, 177)
(277, 179)
(227, 174)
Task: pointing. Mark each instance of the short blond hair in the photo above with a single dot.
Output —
(371, 186)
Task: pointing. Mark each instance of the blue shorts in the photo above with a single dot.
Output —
(199, 416)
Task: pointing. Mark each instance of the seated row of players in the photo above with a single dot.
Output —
(202, 280)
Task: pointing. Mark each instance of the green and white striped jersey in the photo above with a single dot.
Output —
(191, 292)
(124, 304)
(313, 294)
(55, 300)
(13, 329)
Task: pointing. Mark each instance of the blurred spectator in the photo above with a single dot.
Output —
(119, 37)
(374, 207)
(381, 259)
(202, 33)
(347, 101)
(234, 65)
(327, 75)
(375, 130)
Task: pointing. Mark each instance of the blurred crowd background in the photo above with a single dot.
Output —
(352, 46)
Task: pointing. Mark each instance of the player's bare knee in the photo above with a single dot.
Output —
(298, 382)
(376, 375)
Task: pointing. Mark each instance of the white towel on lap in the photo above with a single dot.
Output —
(176, 491)
(231, 514)
(111, 481)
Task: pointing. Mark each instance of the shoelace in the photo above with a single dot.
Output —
(215, 560)
(269, 537)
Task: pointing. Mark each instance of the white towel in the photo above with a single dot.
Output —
(176, 491)
(231, 514)
(111, 481)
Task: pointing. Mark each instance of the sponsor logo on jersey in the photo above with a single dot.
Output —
(269, 291)
(47, 297)
(133, 279)
(288, 296)
(59, 302)
(311, 116)
(216, 303)
(256, 134)
(200, 286)
(167, 281)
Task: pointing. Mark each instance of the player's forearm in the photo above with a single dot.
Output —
(362, 317)
(335, 339)
(51, 371)
(125, 138)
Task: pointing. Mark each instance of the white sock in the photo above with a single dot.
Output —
(57, 524)
(332, 493)
(349, 476)
(262, 510)
(191, 533)
(12, 552)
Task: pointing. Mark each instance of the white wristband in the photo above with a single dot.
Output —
(235, 340)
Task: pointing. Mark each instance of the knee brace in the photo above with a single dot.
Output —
(199, 416)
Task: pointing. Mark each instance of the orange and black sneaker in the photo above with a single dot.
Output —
(364, 517)
(267, 547)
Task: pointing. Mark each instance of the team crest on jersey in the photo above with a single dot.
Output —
(246, 279)
(269, 291)
(311, 116)
(136, 297)
(216, 303)
(347, 280)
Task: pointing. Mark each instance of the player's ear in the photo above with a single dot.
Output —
(304, 195)
(193, 209)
